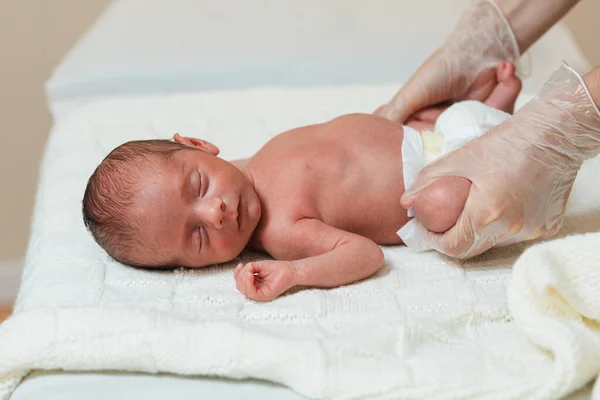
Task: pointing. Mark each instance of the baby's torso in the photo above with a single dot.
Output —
(346, 173)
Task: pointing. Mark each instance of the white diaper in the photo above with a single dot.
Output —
(457, 125)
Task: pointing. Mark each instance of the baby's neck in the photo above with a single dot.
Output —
(254, 244)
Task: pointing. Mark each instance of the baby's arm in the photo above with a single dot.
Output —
(322, 256)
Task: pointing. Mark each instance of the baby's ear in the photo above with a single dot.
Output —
(197, 143)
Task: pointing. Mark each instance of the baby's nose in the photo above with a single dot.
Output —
(214, 212)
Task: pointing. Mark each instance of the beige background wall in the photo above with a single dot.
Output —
(34, 34)
(583, 22)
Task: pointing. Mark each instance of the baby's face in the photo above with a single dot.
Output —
(197, 210)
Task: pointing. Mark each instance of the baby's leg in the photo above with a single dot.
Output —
(505, 94)
(503, 97)
(440, 204)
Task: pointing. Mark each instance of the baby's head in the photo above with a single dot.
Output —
(158, 203)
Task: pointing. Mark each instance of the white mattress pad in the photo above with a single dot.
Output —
(424, 326)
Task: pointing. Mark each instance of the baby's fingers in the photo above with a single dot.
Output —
(237, 270)
(239, 279)
(249, 281)
(243, 277)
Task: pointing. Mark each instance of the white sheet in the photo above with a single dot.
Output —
(425, 325)
(160, 46)
(57, 385)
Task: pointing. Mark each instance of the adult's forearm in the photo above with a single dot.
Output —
(530, 19)
(592, 81)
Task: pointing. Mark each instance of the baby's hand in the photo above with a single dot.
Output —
(264, 280)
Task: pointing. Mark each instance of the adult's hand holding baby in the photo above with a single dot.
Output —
(464, 68)
(264, 280)
(521, 171)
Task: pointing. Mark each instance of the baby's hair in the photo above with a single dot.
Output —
(110, 196)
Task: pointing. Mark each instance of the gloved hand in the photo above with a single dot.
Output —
(522, 171)
(464, 68)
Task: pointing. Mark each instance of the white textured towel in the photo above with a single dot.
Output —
(424, 326)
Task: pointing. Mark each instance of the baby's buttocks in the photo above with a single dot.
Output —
(465, 121)
(456, 126)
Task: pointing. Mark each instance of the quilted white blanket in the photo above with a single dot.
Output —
(424, 327)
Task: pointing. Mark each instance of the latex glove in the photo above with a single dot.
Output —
(521, 171)
(264, 280)
(463, 68)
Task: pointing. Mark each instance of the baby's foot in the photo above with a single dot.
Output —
(507, 89)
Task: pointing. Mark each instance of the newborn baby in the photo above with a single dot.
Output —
(319, 199)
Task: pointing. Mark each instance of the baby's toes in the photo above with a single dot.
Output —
(505, 71)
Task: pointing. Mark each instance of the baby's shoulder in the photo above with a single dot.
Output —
(360, 120)
(355, 118)
(362, 129)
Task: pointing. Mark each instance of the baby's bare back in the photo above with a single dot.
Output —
(346, 172)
